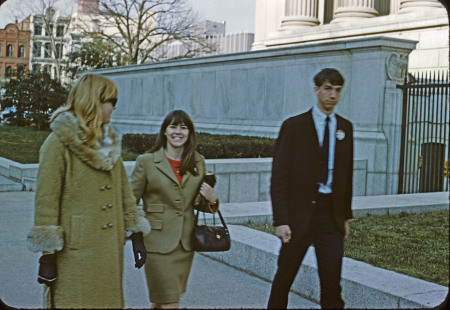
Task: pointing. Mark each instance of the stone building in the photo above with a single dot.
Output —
(294, 22)
(216, 34)
(49, 41)
(14, 51)
(224, 43)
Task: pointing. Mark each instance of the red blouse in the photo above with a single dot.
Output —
(176, 164)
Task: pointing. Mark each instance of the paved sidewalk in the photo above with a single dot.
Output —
(211, 284)
(215, 284)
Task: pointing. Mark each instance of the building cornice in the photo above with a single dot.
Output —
(366, 27)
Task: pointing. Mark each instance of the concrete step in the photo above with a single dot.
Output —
(9, 185)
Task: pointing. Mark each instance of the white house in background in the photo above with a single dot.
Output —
(42, 53)
(296, 22)
(66, 30)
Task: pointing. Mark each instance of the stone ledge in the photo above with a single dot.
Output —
(363, 285)
(261, 211)
(17, 171)
(9, 185)
(239, 180)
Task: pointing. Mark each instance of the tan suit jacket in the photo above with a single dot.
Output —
(168, 205)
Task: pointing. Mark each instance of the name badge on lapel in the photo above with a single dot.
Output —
(340, 134)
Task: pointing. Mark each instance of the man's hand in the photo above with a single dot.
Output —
(284, 233)
(346, 229)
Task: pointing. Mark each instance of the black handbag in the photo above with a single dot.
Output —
(210, 238)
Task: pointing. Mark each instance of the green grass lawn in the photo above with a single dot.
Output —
(22, 144)
(413, 244)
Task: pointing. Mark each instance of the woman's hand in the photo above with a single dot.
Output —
(47, 269)
(208, 192)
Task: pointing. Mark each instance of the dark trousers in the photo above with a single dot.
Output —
(329, 247)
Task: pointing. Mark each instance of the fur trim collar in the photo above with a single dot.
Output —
(102, 156)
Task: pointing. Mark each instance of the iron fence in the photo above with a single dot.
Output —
(424, 152)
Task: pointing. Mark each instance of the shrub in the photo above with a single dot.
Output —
(209, 145)
(138, 143)
(34, 98)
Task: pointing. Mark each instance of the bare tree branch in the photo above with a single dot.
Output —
(140, 27)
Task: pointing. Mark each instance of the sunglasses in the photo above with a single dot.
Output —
(113, 101)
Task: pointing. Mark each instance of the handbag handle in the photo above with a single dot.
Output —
(220, 215)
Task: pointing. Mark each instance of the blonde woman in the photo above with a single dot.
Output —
(84, 205)
(168, 179)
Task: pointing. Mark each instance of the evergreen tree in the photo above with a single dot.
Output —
(35, 98)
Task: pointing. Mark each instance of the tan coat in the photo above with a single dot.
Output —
(83, 207)
(168, 204)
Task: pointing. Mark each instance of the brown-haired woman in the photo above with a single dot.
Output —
(84, 205)
(168, 179)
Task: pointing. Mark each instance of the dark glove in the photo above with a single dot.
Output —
(47, 269)
(210, 179)
(138, 249)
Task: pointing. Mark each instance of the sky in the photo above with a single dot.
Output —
(239, 15)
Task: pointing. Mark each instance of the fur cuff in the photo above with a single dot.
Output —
(141, 224)
(45, 238)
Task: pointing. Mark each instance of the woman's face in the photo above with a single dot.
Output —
(177, 135)
(107, 109)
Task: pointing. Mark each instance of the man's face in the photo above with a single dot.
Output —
(328, 96)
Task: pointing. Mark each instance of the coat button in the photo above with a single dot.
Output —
(110, 206)
(104, 207)
(108, 186)
(102, 188)
(110, 225)
(104, 226)
(313, 202)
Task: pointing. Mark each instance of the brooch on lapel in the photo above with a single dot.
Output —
(340, 134)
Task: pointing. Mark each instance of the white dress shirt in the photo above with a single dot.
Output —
(319, 122)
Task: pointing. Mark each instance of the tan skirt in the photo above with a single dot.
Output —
(167, 274)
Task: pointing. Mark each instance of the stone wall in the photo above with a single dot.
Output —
(238, 180)
(252, 93)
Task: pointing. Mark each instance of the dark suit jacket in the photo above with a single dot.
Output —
(296, 173)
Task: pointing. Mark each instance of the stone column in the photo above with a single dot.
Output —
(409, 6)
(300, 14)
(348, 10)
(260, 24)
(395, 6)
(268, 15)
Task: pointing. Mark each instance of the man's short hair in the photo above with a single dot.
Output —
(329, 74)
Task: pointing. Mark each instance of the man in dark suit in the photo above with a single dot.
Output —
(311, 190)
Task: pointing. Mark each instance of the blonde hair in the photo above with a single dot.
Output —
(85, 101)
